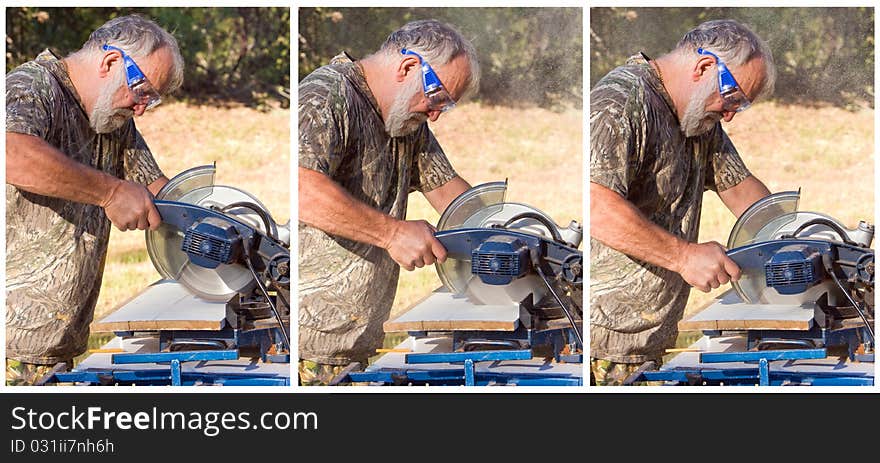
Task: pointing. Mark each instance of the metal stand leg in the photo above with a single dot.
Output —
(469, 373)
(175, 372)
(763, 372)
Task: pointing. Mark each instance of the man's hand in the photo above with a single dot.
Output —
(705, 266)
(130, 206)
(412, 244)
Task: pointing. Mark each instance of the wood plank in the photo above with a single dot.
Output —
(729, 313)
(165, 305)
(444, 311)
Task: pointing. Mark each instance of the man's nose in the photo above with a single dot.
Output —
(728, 115)
(434, 115)
(139, 109)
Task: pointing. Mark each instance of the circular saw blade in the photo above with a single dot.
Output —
(164, 244)
(482, 207)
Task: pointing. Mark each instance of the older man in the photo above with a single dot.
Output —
(364, 145)
(75, 163)
(656, 144)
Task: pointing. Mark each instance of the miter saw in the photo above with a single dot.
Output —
(222, 245)
(805, 298)
(499, 254)
(223, 258)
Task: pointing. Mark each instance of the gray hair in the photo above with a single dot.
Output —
(437, 43)
(734, 43)
(139, 37)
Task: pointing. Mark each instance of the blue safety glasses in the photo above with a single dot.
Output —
(438, 98)
(143, 91)
(732, 96)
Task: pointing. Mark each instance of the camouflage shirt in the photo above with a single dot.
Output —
(638, 150)
(346, 288)
(55, 248)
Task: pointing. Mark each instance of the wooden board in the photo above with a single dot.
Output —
(165, 305)
(444, 311)
(729, 313)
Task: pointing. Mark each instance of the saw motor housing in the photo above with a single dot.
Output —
(794, 269)
(211, 242)
(500, 259)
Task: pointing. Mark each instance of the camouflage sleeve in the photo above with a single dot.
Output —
(615, 140)
(726, 168)
(431, 168)
(321, 120)
(140, 166)
(29, 99)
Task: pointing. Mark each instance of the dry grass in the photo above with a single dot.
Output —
(538, 151)
(252, 151)
(826, 152)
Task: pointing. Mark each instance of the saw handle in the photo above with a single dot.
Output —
(554, 232)
(828, 223)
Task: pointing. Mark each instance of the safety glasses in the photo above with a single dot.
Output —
(438, 98)
(732, 96)
(143, 91)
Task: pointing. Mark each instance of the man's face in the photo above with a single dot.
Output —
(705, 108)
(115, 103)
(410, 107)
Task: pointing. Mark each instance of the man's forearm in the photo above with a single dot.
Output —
(325, 205)
(34, 165)
(617, 223)
(739, 197)
(440, 197)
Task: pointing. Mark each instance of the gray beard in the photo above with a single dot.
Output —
(696, 120)
(400, 120)
(104, 118)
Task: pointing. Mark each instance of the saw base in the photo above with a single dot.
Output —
(167, 336)
(455, 342)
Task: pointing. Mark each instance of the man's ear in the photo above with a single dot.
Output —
(407, 65)
(110, 58)
(703, 65)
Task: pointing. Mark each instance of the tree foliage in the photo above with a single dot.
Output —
(230, 53)
(528, 56)
(821, 54)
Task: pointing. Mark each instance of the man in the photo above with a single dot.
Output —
(75, 163)
(656, 144)
(364, 145)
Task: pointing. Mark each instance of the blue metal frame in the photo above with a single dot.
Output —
(467, 375)
(853, 338)
(159, 378)
(175, 376)
(553, 338)
(760, 374)
(457, 378)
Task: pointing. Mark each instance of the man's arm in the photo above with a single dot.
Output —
(325, 205)
(619, 224)
(441, 196)
(157, 185)
(36, 166)
(738, 198)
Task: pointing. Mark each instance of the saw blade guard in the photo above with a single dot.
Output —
(483, 206)
(196, 186)
(748, 228)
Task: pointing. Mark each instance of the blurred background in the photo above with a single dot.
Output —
(232, 54)
(233, 108)
(524, 125)
(815, 133)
